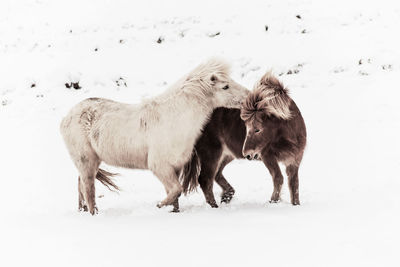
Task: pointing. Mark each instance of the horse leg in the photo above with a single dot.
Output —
(175, 203)
(87, 163)
(206, 184)
(227, 189)
(209, 166)
(82, 205)
(273, 167)
(89, 192)
(167, 175)
(292, 172)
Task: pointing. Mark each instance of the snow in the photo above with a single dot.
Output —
(348, 179)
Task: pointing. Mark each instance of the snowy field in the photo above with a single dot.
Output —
(341, 62)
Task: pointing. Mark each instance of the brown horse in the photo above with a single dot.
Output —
(272, 130)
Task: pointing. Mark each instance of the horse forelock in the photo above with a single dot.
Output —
(251, 107)
(273, 97)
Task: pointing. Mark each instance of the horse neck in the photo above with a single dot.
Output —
(194, 111)
(199, 109)
(200, 116)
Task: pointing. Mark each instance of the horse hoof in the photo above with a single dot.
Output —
(95, 211)
(159, 205)
(227, 196)
(213, 205)
(274, 201)
(226, 200)
(174, 210)
(84, 208)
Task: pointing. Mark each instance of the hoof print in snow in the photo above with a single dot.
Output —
(121, 41)
(76, 85)
(33, 85)
(4, 102)
(362, 61)
(121, 82)
(96, 49)
(387, 67)
(338, 70)
(363, 73)
(304, 31)
(160, 40)
(266, 28)
(214, 34)
(252, 69)
(295, 71)
(298, 16)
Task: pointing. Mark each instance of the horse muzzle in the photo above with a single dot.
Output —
(251, 155)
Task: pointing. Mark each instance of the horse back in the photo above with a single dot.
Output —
(290, 140)
(225, 130)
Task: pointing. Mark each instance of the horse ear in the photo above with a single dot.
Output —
(213, 79)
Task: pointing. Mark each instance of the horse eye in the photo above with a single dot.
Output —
(226, 87)
(257, 131)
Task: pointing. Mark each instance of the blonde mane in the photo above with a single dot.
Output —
(198, 81)
(196, 85)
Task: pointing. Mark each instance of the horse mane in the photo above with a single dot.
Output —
(216, 66)
(200, 77)
(268, 96)
(197, 85)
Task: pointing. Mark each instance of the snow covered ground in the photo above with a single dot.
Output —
(341, 61)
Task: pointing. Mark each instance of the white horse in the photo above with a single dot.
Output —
(158, 134)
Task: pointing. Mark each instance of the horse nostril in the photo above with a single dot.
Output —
(256, 156)
(248, 157)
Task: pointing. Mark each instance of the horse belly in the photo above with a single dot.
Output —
(122, 151)
(126, 159)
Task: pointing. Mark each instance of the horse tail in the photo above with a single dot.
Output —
(190, 173)
(105, 178)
